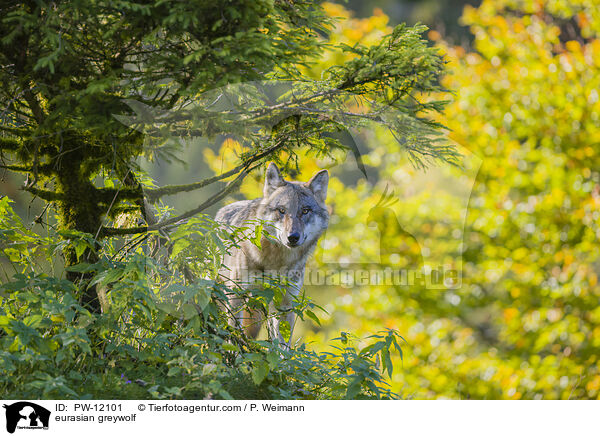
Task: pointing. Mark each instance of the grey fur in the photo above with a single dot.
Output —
(304, 215)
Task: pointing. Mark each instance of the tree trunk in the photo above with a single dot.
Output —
(80, 211)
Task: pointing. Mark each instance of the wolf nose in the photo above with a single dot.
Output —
(293, 238)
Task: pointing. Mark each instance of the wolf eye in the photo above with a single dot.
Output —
(306, 210)
(281, 210)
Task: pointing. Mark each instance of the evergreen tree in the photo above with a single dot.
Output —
(67, 68)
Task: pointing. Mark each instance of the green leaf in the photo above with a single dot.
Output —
(179, 246)
(273, 359)
(208, 369)
(107, 276)
(387, 361)
(82, 267)
(259, 371)
(256, 240)
(170, 308)
(174, 370)
(189, 311)
(13, 254)
(285, 330)
(80, 247)
(230, 347)
(204, 295)
(344, 337)
(37, 321)
(373, 348)
(312, 316)
(354, 388)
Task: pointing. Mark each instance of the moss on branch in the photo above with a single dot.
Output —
(45, 194)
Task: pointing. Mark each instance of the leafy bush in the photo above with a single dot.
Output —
(163, 332)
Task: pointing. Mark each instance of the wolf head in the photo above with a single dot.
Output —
(295, 210)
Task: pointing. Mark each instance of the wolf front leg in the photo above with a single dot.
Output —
(240, 315)
(285, 312)
(278, 315)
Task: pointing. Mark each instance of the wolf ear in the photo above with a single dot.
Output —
(318, 184)
(273, 180)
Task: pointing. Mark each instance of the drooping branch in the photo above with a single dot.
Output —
(230, 187)
(154, 195)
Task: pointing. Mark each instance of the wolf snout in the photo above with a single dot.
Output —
(293, 238)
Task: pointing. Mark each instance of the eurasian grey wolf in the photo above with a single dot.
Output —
(295, 216)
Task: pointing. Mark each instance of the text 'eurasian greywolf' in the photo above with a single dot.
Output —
(296, 216)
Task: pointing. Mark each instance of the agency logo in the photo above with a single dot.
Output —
(26, 415)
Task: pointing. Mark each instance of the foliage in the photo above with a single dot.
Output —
(535, 206)
(160, 336)
(121, 297)
(524, 324)
(69, 68)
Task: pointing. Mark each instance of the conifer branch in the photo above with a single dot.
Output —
(154, 194)
(17, 168)
(231, 186)
(9, 144)
(15, 130)
(44, 194)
